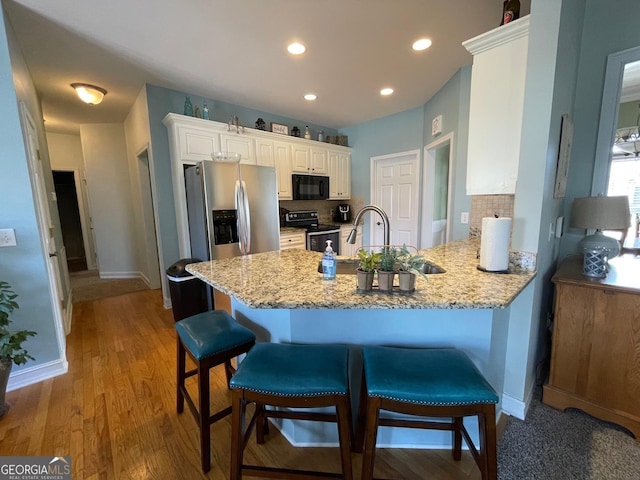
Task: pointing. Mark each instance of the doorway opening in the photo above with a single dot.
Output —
(436, 200)
(71, 225)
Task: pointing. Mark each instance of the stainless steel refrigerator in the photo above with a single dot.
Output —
(232, 209)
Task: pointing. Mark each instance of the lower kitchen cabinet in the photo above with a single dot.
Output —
(291, 240)
(595, 358)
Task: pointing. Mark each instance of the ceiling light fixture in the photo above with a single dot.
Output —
(310, 96)
(386, 91)
(296, 48)
(421, 44)
(89, 93)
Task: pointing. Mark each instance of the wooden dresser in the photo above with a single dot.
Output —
(595, 356)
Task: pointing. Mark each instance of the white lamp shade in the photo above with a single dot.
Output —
(89, 93)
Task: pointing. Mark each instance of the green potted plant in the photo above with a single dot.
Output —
(410, 265)
(368, 264)
(11, 350)
(387, 268)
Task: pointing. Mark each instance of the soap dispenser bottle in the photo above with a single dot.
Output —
(329, 263)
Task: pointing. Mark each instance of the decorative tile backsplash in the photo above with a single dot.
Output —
(488, 206)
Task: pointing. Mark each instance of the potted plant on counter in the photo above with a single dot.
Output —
(11, 350)
(410, 266)
(387, 268)
(368, 263)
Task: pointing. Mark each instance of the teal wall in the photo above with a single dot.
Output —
(392, 134)
(452, 102)
(23, 266)
(605, 31)
(411, 130)
(162, 101)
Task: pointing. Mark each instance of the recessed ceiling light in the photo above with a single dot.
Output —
(421, 44)
(310, 96)
(296, 48)
(386, 91)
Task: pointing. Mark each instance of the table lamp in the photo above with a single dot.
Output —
(601, 213)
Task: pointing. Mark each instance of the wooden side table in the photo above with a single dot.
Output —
(595, 357)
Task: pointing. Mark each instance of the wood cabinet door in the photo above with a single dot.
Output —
(596, 346)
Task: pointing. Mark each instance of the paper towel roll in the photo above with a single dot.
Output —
(494, 244)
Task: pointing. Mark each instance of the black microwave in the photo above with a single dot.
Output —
(310, 187)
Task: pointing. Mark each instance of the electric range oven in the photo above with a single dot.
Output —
(317, 233)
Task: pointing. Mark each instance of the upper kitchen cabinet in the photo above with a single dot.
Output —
(339, 175)
(282, 157)
(195, 141)
(264, 152)
(239, 143)
(497, 100)
(307, 159)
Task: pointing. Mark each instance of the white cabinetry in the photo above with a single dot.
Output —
(347, 249)
(192, 140)
(239, 143)
(310, 160)
(264, 152)
(196, 144)
(290, 240)
(497, 100)
(339, 165)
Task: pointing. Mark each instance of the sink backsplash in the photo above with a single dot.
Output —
(488, 206)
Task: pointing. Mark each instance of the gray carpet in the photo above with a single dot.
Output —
(570, 445)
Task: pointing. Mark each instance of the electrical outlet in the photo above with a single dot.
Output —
(7, 237)
(464, 217)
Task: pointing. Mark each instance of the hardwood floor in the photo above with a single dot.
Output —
(114, 412)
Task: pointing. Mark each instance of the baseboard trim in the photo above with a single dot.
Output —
(514, 407)
(38, 373)
(119, 275)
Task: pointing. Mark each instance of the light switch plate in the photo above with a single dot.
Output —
(464, 217)
(7, 237)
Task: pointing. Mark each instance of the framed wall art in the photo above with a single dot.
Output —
(564, 155)
(279, 128)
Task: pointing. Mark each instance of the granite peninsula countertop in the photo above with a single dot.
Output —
(289, 279)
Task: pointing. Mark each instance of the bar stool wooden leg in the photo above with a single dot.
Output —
(181, 367)
(371, 433)
(457, 438)
(210, 339)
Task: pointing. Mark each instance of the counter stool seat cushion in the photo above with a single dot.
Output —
(422, 383)
(429, 376)
(209, 333)
(293, 370)
(290, 382)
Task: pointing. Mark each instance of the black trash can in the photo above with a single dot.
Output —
(188, 293)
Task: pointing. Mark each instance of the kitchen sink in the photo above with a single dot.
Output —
(349, 267)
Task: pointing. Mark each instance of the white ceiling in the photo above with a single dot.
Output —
(235, 51)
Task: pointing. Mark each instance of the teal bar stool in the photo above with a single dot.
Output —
(210, 338)
(290, 377)
(426, 382)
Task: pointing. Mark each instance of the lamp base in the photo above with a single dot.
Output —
(599, 241)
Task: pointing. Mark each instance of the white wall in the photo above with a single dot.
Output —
(138, 139)
(65, 152)
(109, 187)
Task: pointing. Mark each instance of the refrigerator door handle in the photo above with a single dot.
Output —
(244, 220)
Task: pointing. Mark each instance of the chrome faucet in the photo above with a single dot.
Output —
(385, 222)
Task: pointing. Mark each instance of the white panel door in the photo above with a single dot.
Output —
(395, 190)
